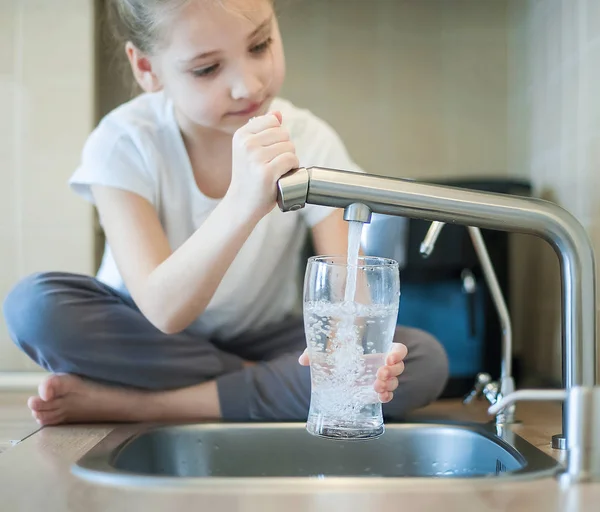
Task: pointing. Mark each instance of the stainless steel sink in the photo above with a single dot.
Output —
(207, 453)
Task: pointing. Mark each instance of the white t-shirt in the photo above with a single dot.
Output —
(138, 147)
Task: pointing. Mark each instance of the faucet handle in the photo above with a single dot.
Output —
(292, 190)
(491, 391)
(481, 381)
(527, 394)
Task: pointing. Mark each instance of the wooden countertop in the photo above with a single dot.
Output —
(16, 422)
(35, 476)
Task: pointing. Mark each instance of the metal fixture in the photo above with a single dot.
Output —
(492, 391)
(337, 188)
(230, 456)
(357, 212)
(583, 426)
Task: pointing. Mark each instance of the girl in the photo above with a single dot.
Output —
(189, 317)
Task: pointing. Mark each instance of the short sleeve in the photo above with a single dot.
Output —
(112, 158)
(327, 150)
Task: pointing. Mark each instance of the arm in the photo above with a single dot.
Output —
(330, 236)
(170, 288)
(173, 288)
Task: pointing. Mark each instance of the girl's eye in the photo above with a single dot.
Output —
(262, 47)
(210, 70)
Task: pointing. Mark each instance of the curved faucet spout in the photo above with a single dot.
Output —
(393, 196)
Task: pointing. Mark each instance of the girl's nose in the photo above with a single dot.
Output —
(245, 84)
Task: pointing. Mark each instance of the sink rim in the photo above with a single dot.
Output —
(96, 464)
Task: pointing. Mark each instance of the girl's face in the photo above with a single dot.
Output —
(223, 63)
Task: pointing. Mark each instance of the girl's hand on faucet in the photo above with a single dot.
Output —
(262, 153)
(387, 375)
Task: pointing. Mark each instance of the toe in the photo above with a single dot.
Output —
(48, 417)
(35, 403)
(46, 388)
(55, 386)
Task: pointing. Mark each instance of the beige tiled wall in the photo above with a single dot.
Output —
(46, 112)
(554, 138)
(416, 88)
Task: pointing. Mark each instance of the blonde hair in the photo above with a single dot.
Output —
(143, 22)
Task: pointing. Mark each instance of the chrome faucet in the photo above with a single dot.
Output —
(393, 196)
(484, 386)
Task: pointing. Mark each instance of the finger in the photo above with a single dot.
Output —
(391, 385)
(269, 153)
(381, 386)
(303, 359)
(283, 163)
(261, 123)
(397, 354)
(386, 397)
(271, 136)
(278, 115)
(390, 372)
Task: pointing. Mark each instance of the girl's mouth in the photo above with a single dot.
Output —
(251, 109)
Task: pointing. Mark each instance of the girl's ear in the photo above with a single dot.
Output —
(142, 69)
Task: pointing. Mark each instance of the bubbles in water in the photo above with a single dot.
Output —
(345, 355)
(348, 342)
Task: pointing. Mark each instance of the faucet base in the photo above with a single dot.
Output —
(567, 479)
(506, 421)
(559, 442)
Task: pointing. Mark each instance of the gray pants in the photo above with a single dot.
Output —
(75, 324)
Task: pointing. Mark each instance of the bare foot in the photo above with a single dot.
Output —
(70, 399)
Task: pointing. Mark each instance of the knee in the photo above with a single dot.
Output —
(275, 390)
(32, 312)
(426, 372)
(424, 350)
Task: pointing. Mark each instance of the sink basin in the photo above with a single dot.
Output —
(211, 453)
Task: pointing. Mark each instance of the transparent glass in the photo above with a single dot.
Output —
(348, 341)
